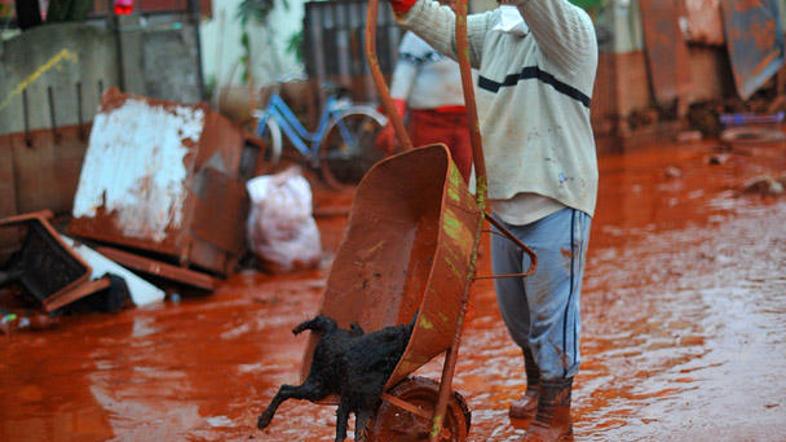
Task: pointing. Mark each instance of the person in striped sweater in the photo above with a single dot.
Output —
(537, 61)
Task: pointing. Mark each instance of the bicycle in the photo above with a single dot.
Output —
(343, 145)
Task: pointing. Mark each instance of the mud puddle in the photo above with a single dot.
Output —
(683, 336)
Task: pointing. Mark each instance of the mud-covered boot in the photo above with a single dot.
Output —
(526, 407)
(552, 421)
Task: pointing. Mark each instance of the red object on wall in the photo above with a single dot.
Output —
(124, 7)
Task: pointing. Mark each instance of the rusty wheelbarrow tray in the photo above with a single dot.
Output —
(411, 246)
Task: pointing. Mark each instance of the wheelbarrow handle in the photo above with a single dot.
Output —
(379, 79)
(507, 234)
(462, 53)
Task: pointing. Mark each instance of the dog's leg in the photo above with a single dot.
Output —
(311, 392)
(342, 418)
(361, 422)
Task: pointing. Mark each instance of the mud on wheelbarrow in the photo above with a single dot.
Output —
(411, 247)
(408, 248)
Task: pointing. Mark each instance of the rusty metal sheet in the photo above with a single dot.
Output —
(143, 181)
(704, 22)
(407, 249)
(755, 41)
(133, 188)
(220, 199)
(667, 51)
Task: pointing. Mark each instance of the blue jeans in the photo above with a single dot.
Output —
(542, 311)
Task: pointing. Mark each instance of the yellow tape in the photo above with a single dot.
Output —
(63, 55)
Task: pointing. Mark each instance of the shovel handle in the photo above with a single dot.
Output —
(379, 79)
(462, 53)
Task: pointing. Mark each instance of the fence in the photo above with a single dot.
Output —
(334, 45)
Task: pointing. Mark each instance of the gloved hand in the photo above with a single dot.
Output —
(401, 7)
(386, 139)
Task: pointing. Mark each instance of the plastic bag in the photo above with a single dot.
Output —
(281, 228)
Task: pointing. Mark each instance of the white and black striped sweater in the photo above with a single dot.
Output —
(533, 96)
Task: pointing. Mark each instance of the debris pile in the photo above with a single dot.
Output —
(161, 195)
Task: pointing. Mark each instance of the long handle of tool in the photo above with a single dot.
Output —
(462, 51)
(451, 356)
(379, 79)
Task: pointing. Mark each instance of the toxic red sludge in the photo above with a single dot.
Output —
(683, 314)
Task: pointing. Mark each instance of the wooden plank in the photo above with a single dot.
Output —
(62, 299)
(157, 268)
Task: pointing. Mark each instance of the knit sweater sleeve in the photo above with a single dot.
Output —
(436, 24)
(564, 32)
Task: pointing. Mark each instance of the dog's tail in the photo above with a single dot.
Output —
(321, 325)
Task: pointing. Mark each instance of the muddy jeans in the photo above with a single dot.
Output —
(542, 310)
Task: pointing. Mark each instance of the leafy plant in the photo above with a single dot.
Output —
(295, 46)
(258, 10)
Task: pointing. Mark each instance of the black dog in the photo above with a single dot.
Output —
(348, 363)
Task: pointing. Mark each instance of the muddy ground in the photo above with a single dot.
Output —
(683, 331)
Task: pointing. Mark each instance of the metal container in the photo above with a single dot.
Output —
(163, 177)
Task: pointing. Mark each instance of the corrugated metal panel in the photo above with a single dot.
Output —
(334, 44)
(754, 36)
(180, 167)
(667, 51)
(704, 22)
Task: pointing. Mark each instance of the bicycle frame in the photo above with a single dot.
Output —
(304, 141)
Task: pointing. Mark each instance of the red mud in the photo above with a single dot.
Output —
(683, 336)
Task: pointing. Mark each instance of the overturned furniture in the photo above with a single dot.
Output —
(163, 179)
(46, 266)
(58, 271)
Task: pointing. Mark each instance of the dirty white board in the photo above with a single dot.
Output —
(141, 291)
(135, 167)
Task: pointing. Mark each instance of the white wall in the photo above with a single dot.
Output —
(222, 49)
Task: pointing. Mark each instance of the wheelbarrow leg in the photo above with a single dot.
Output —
(451, 356)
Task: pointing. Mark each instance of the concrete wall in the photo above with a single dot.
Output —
(58, 57)
(40, 167)
(160, 61)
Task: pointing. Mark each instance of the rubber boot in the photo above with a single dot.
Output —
(552, 421)
(526, 407)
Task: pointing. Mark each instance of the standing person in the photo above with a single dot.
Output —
(537, 61)
(429, 84)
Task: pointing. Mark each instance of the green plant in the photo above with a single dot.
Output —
(259, 11)
(295, 46)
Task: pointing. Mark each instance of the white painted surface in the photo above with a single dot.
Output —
(134, 167)
(222, 49)
(141, 291)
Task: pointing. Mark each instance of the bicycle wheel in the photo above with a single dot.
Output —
(271, 135)
(348, 150)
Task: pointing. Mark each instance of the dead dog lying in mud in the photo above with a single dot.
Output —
(349, 363)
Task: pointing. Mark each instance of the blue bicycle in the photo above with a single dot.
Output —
(343, 146)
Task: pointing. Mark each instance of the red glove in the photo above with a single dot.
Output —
(401, 7)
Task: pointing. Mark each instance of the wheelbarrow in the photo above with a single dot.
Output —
(411, 247)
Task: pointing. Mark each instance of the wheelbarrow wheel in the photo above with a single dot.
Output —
(393, 423)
